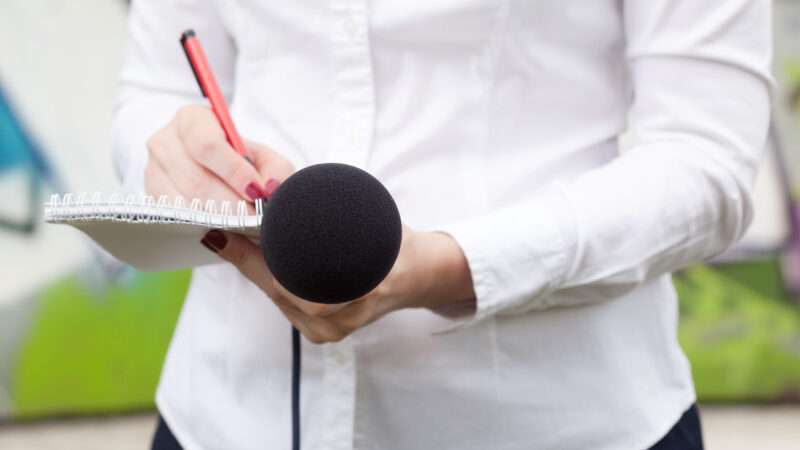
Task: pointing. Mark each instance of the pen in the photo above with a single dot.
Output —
(210, 89)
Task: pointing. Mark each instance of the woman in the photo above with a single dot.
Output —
(531, 305)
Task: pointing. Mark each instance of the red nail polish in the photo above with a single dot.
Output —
(254, 191)
(216, 240)
(271, 187)
(208, 246)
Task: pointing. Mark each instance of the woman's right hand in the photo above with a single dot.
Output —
(191, 157)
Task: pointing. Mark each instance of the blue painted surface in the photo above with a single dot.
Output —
(20, 152)
(17, 147)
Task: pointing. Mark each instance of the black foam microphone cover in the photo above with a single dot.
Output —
(330, 233)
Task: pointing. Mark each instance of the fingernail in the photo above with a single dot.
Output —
(208, 246)
(271, 187)
(216, 240)
(254, 191)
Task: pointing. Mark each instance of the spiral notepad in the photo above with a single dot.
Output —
(152, 234)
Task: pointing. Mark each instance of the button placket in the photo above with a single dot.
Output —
(339, 390)
(353, 83)
(351, 139)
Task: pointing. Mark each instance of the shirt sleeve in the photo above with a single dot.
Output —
(700, 75)
(156, 79)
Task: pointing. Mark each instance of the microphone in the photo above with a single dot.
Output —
(330, 233)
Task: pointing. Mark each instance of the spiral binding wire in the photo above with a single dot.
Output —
(146, 209)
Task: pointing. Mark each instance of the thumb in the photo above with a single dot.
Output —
(269, 163)
(242, 253)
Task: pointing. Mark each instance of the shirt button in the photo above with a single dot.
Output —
(339, 357)
(349, 28)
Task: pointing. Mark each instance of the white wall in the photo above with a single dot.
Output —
(59, 61)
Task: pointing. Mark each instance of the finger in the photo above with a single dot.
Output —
(274, 167)
(249, 259)
(243, 254)
(190, 179)
(356, 314)
(319, 322)
(206, 144)
(246, 256)
(302, 322)
(316, 329)
(157, 183)
(308, 307)
(269, 163)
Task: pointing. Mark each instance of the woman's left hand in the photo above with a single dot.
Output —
(430, 272)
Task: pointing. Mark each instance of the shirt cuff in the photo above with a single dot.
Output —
(516, 255)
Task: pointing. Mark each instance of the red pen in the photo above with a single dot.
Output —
(210, 89)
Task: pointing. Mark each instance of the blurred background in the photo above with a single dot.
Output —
(82, 338)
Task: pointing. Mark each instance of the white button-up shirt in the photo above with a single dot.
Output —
(497, 122)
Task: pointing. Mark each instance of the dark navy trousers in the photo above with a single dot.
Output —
(685, 435)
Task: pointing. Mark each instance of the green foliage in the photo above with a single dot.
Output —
(90, 352)
(95, 352)
(743, 344)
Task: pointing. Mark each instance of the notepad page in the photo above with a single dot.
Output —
(152, 235)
